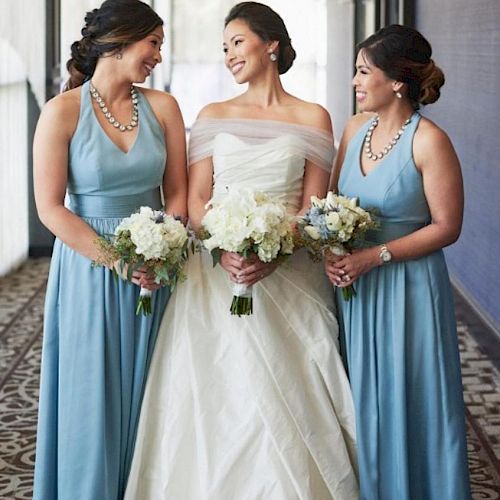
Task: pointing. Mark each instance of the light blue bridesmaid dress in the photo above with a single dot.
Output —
(400, 345)
(96, 351)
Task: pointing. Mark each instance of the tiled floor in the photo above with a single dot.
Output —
(21, 316)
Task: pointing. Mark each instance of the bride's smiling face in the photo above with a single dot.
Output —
(246, 54)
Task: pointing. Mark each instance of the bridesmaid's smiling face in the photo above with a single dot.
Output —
(374, 90)
(246, 54)
(140, 58)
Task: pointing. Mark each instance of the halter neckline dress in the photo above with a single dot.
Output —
(96, 351)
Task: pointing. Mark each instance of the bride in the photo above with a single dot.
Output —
(254, 407)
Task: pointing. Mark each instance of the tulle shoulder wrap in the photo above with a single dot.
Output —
(312, 143)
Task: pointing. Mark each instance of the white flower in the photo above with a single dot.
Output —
(154, 234)
(244, 220)
(330, 199)
(333, 221)
(317, 202)
(340, 224)
(312, 232)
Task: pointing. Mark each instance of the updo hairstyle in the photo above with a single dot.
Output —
(269, 26)
(108, 30)
(404, 55)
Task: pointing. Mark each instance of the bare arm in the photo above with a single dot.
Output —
(50, 172)
(437, 161)
(175, 180)
(315, 177)
(200, 190)
(442, 180)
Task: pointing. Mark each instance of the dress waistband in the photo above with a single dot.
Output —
(89, 205)
(389, 231)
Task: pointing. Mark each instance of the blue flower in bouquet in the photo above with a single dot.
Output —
(335, 224)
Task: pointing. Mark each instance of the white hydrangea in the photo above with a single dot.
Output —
(155, 235)
(243, 219)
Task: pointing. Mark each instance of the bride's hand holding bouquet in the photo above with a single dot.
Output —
(248, 232)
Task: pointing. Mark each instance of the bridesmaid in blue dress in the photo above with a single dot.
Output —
(96, 351)
(400, 334)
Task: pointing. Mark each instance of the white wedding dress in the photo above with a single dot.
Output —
(256, 407)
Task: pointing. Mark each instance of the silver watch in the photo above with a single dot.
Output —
(385, 255)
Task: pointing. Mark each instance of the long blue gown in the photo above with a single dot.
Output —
(401, 345)
(96, 351)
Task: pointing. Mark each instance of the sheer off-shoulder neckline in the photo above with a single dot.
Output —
(292, 125)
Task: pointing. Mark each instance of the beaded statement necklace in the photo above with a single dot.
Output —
(368, 140)
(111, 119)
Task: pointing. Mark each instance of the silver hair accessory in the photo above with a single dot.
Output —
(273, 57)
(111, 119)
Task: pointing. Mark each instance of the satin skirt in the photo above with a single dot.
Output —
(247, 408)
(401, 350)
(95, 357)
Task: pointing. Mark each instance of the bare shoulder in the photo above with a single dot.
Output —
(313, 115)
(431, 146)
(428, 134)
(223, 109)
(62, 111)
(355, 123)
(165, 108)
(158, 99)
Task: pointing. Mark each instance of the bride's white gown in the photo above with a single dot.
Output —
(257, 407)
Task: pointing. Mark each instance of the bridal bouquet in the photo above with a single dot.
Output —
(334, 224)
(247, 222)
(152, 239)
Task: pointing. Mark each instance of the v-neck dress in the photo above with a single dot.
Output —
(96, 351)
(401, 345)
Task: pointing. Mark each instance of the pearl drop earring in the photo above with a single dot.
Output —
(273, 57)
(399, 95)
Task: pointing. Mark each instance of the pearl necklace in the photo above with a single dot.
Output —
(368, 140)
(111, 119)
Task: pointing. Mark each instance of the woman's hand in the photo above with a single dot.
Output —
(246, 271)
(141, 276)
(344, 270)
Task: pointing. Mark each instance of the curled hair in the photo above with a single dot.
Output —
(108, 30)
(404, 55)
(269, 26)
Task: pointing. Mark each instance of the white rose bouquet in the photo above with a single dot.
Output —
(334, 224)
(247, 222)
(152, 239)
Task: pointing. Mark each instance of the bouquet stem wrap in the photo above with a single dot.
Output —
(348, 292)
(242, 304)
(251, 224)
(144, 305)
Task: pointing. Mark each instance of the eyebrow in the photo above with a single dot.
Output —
(158, 36)
(233, 37)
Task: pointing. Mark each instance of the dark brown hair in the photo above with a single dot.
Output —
(404, 55)
(108, 29)
(269, 26)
